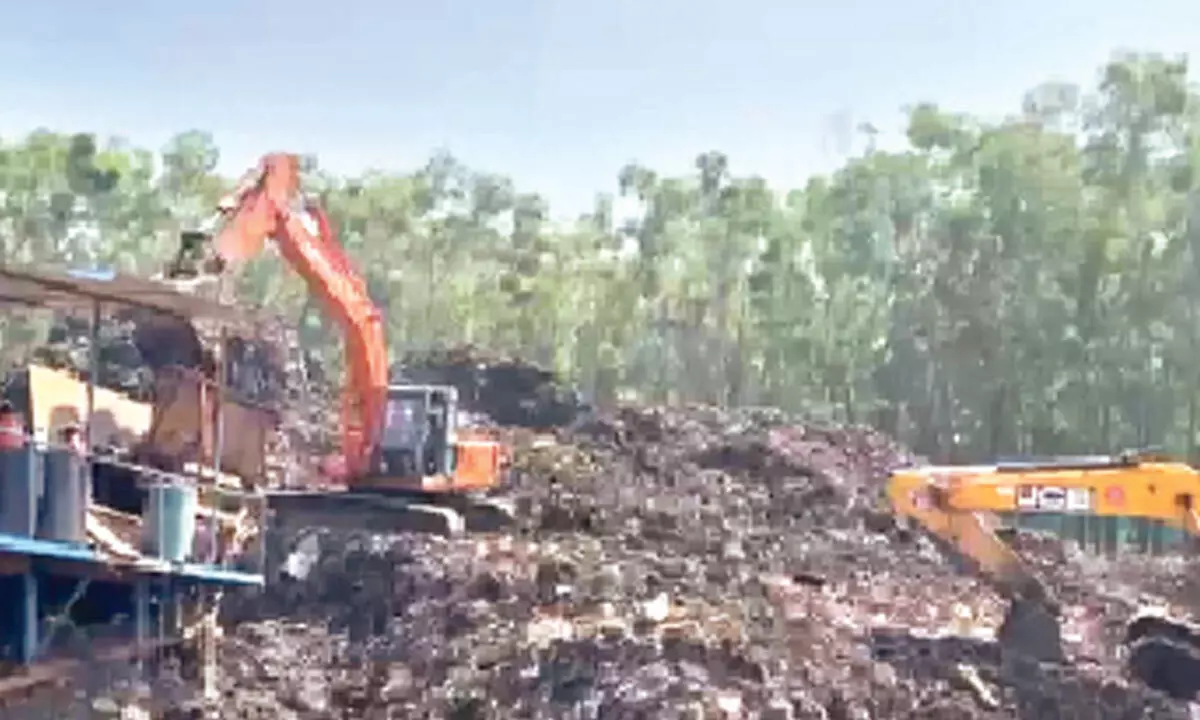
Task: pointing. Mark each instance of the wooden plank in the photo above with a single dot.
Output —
(185, 419)
(223, 480)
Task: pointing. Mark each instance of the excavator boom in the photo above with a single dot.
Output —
(267, 204)
(938, 500)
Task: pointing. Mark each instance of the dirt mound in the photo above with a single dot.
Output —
(784, 476)
(508, 390)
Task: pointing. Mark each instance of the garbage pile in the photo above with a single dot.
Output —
(121, 364)
(133, 343)
(507, 390)
(669, 564)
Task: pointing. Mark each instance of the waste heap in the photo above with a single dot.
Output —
(508, 390)
(133, 343)
(672, 564)
(669, 564)
(122, 367)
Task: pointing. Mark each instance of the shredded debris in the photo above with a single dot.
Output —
(674, 563)
(671, 563)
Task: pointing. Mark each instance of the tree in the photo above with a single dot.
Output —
(1023, 286)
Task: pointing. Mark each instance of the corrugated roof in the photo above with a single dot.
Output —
(60, 289)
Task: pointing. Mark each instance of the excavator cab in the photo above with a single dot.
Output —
(420, 448)
(424, 476)
(417, 432)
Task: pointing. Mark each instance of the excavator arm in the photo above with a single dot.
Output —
(941, 501)
(267, 203)
(958, 506)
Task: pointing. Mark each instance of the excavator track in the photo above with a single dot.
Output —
(298, 521)
(387, 513)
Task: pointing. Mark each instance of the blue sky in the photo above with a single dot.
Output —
(557, 93)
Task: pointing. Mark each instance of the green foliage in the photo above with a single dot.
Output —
(1029, 286)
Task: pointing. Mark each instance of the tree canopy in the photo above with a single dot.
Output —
(1023, 286)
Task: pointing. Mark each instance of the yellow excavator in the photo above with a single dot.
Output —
(959, 507)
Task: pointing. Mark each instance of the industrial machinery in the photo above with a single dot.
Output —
(403, 463)
(959, 507)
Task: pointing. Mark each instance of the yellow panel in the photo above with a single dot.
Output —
(56, 399)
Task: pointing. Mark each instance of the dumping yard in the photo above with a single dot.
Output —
(672, 563)
(681, 563)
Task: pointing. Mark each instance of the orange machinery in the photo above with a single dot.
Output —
(958, 505)
(399, 440)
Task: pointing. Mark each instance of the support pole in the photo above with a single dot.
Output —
(36, 486)
(209, 599)
(219, 442)
(141, 602)
(29, 618)
(208, 643)
(89, 430)
(93, 373)
(171, 625)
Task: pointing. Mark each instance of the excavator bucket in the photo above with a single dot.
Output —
(1154, 626)
(1031, 629)
(1166, 666)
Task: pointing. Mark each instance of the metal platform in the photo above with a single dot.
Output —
(26, 554)
(32, 564)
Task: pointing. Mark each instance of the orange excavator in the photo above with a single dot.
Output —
(403, 463)
(960, 506)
